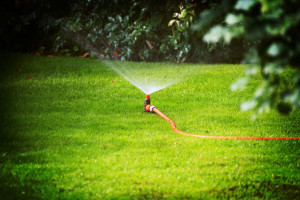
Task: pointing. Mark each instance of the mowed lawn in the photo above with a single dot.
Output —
(71, 128)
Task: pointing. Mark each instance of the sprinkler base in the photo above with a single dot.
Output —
(149, 108)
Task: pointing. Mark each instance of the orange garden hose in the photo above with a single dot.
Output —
(219, 137)
(150, 108)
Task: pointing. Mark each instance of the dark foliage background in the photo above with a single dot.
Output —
(127, 30)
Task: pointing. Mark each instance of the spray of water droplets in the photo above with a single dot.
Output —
(148, 77)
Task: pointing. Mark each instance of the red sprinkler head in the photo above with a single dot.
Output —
(147, 96)
(147, 101)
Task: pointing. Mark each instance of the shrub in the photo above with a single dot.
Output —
(270, 28)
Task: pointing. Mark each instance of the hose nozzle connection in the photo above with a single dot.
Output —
(147, 106)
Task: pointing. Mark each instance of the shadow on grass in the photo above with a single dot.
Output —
(16, 180)
(265, 189)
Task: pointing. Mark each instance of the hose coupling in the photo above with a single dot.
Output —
(149, 108)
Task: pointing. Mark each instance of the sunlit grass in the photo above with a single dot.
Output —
(77, 130)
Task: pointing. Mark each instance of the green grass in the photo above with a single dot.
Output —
(72, 133)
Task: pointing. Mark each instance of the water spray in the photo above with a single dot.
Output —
(150, 108)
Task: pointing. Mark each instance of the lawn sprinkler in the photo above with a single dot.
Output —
(146, 102)
(147, 106)
(150, 108)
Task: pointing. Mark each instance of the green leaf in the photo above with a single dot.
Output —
(186, 24)
(233, 19)
(128, 52)
(186, 49)
(146, 53)
(185, 35)
(272, 68)
(174, 42)
(111, 19)
(274, 50)
(260, 92)
(119, 18)
(114, 27)
(239, 84)
(94, 54)
(252, 70)
(293, 98)
(206, 18)
(183, 14)
(175, 15)
(171, 22)
(244, 4)
(134, 33)
(180, 28)
(248, 105)
(227, 35)
(215, 34)
(162, 48)
(107, 27)
(143, 11)
(126, 19)
(265, 106)
(180, 54)
(115, 44)
(270, 6)
(181, 8)
(75, 48)
(252, 56)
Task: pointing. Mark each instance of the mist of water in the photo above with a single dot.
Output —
(148, 77)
